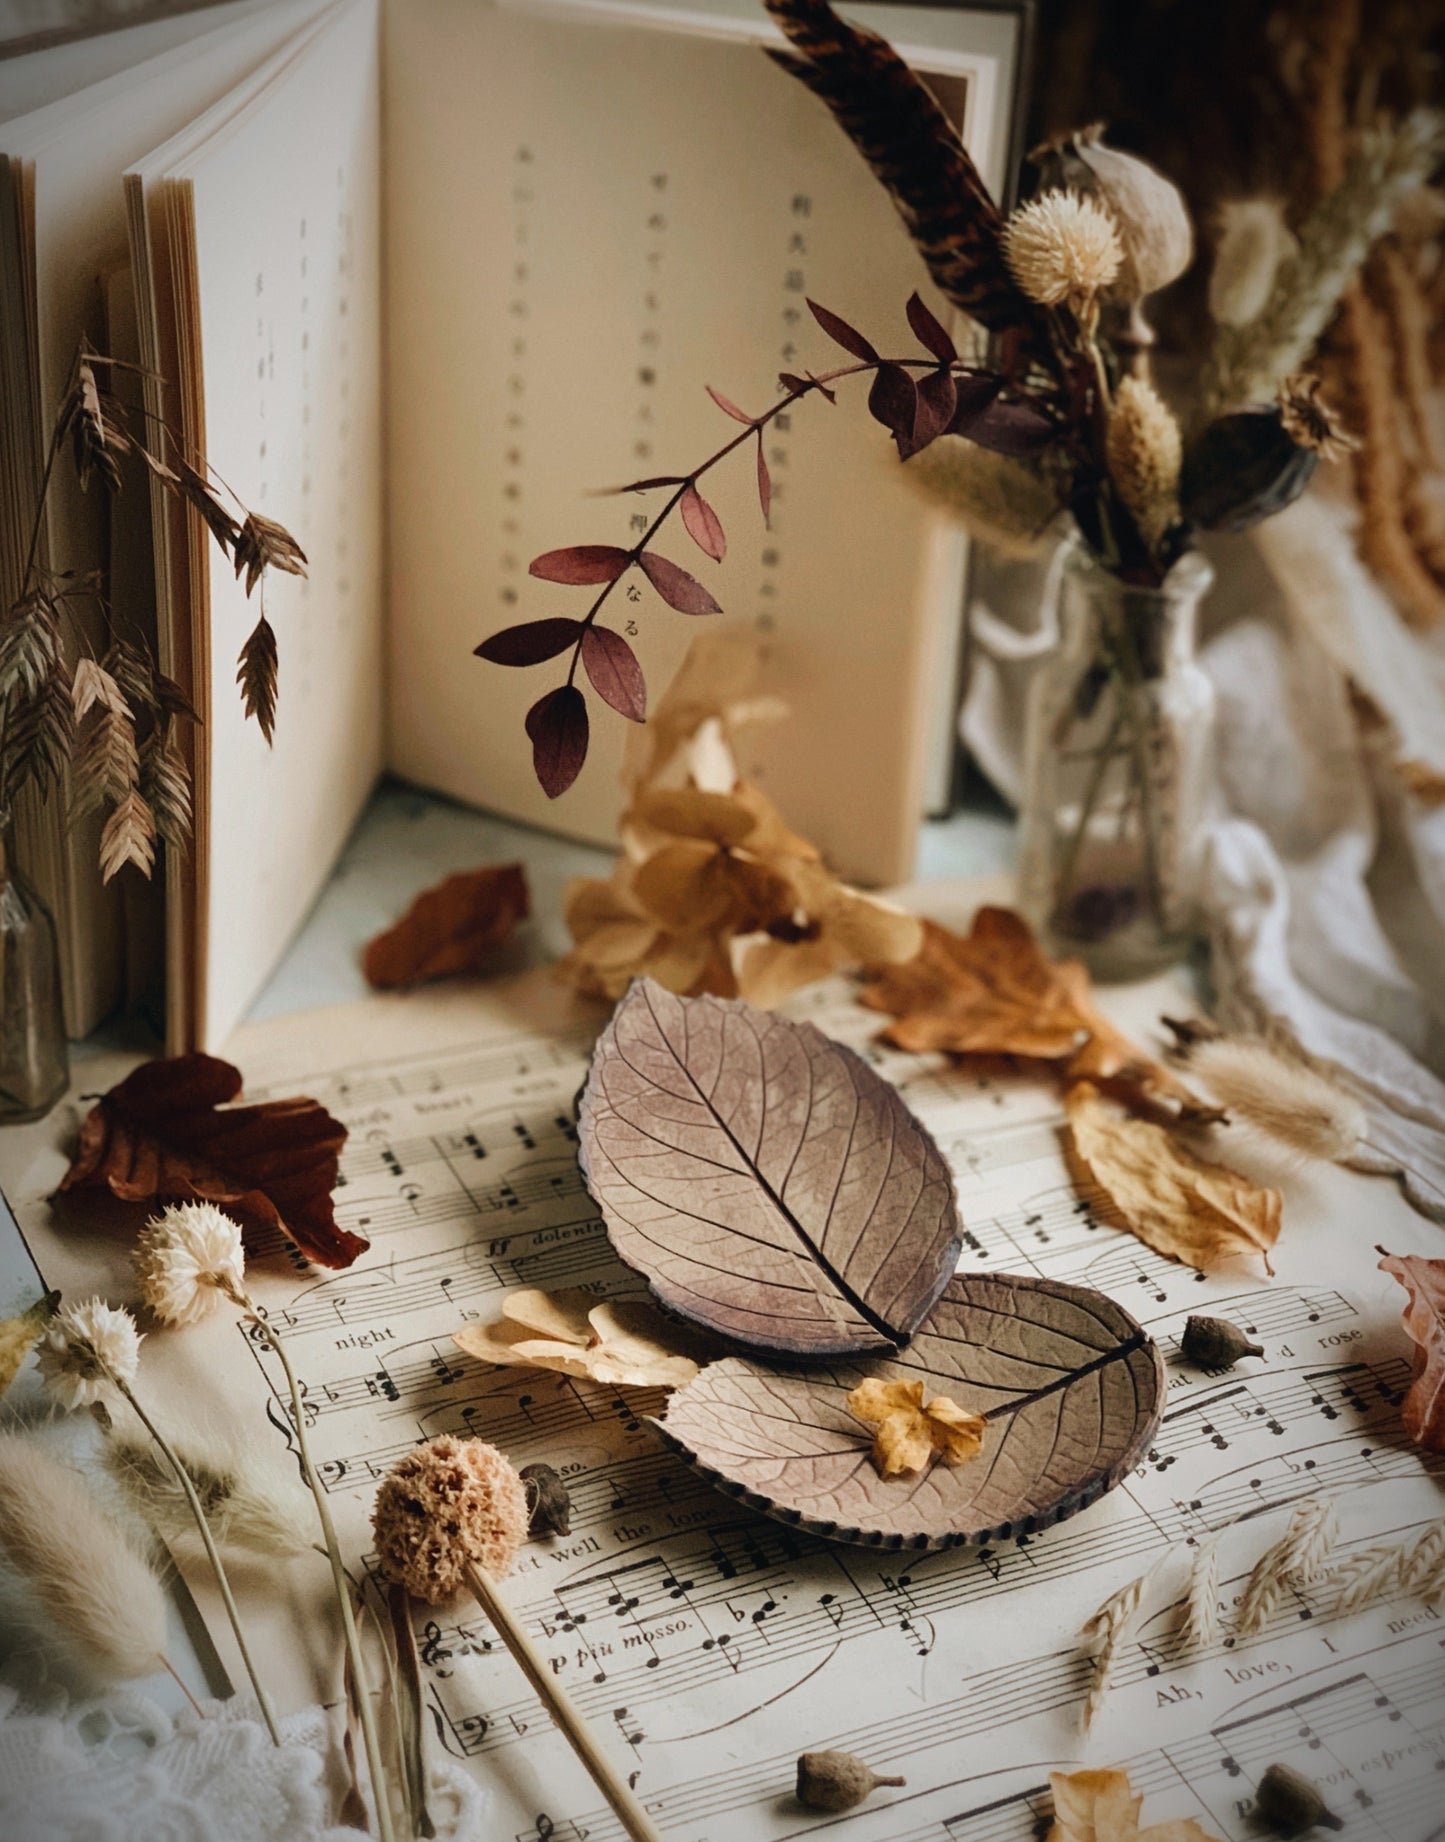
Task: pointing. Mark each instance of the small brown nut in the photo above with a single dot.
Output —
(836, 1780)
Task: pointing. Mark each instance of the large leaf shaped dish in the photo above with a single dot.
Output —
(1072, 1389)
(763, 1178)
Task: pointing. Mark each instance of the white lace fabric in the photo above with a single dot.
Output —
(120, 1769)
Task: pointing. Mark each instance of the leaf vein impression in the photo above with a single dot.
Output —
(859, 1305)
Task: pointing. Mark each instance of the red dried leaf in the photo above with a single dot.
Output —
(973, 393)
(937, 399)
(703, 525)
(530, 643)
(1423, 1411)
(677, 588)
(728, 406)
(166, 1134)
(929, 332)
(893, 401)
(841, 333)
(557, 725)
(765, 485)
(1006, 428)
(615, 673)
(580, 565)
(454, 928)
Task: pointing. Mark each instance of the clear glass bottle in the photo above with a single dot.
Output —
(1118, 772)
(34, 1062)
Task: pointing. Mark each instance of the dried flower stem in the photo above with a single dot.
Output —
(754, 429)
(365, 1709)
(203, 1528)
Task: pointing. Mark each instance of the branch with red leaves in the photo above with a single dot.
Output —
(946, 396)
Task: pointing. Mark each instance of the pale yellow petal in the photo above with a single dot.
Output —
(874, 1399)
(902, 1443)
(957, 1434)
(1095, 1806)
(561, 1314)
(688, 812)
(771, 970)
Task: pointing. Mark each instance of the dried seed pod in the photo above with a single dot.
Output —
(1215, 1343)
(1250, 464)
(1150, 212)
(549, 1502)
(836, 1780)
(1290, 1803)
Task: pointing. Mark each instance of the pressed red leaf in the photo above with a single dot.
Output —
(1423, 1411)
(1068, 1383)
(893, 401)
(557, 725)
(166, 1134)
(973, 393)
(704, 526)
(530, 643)
(677, 588)
(615, 673)
(581, 564)
(765, 485)
(929, 332)
(765, 1180)
(727, 405)
(841, 333)
(452, 928)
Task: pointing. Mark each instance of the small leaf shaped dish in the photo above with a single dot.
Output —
(1071, 1387)
(765, 1180)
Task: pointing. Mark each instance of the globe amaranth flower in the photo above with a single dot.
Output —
(88, 1348)
(1062, 249)
(187, 1259)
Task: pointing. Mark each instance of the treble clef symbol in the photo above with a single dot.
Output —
(433, 1651)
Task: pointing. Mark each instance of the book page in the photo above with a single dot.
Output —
(586, 224)
(275, 251)
(711, 1645)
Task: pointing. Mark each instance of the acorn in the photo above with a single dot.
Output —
(549, 1503)
(1250, 464)
(1290, 1803)
(1215, 1343)
(836, 1780)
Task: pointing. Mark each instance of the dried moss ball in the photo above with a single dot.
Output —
(447, 1504)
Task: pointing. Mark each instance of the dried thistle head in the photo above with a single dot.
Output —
(1145, 452)
(89, 1348)
(448, 1505)
(1063, 249)
(1309, 422)
(187, 1259)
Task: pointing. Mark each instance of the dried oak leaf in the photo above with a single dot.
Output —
(1070, 1389)
(1099, 1806)
(166, 1134)
(1199, 1213)
(765, 1180)
(995, 992)
(624, 1341)
(1423, 1411)
(453, 928)
(913, 1430)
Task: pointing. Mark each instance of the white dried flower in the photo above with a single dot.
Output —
(88, 1348)
(186, 1259)
(1062, 248)
(1253, 241)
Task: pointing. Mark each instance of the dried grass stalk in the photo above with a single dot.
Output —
(997, 500)
(1104, 1635)
(1201, 1605)
(98, 1593)
(1281, 1095)
(1296, 1559)
(246, 1503)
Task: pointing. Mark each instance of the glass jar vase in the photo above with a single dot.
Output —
(1118, 772)
(34, 1064)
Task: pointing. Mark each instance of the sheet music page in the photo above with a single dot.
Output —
(587, 224)
(712, 1645)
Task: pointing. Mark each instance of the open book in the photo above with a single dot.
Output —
(422, 276)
